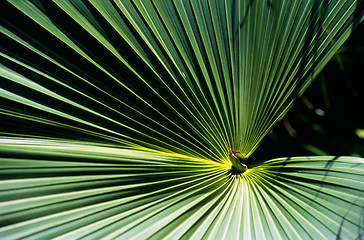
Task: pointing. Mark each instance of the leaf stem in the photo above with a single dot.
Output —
(235, 160)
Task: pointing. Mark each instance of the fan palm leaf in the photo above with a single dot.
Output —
(118, 117)
(71, 190)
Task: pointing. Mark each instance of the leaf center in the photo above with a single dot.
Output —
(236, 159)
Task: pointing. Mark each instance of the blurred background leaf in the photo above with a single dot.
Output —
(328, 119)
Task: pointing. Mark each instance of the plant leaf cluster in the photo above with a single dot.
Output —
(117, 118)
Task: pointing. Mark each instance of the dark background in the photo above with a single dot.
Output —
(327, 119)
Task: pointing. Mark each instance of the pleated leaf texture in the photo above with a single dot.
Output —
(116, 120)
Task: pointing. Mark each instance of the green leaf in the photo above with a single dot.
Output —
(193, 77)
(53, 189)
(117, 118)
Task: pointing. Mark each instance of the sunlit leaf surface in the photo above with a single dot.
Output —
(116, 119)
(72, 190)
(193, 77)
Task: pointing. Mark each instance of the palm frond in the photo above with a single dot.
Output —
(69, 190)
(117, 117)
(194, 77)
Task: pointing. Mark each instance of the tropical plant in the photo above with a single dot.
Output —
(136, 119)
